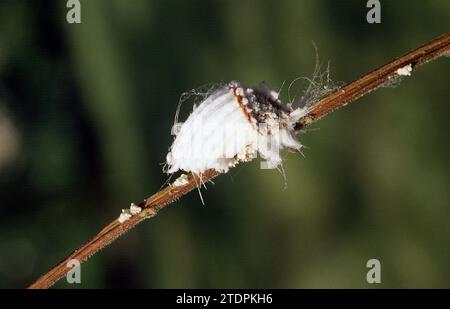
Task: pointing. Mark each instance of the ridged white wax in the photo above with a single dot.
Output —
(219, 133)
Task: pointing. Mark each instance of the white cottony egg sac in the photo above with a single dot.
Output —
(233, 124)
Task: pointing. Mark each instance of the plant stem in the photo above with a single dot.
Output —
(115, 229)
(341, 97)
(436, 48)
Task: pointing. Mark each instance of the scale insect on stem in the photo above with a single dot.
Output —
(233, 124)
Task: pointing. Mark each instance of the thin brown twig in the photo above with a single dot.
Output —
(341, 97)
(436, 48)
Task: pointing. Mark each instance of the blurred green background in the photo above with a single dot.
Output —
(85, 118)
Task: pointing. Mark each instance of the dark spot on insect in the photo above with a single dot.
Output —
(299, 126)
(261, 103)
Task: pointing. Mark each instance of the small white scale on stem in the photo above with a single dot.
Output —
(128, 213)
(181, 181)
(135, 209)
(405, 71)
(233, 124)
